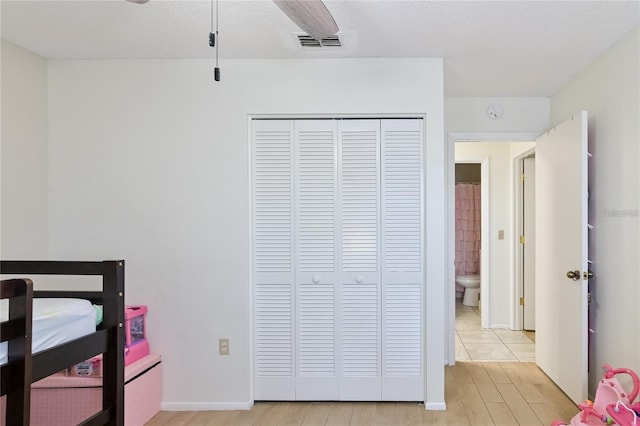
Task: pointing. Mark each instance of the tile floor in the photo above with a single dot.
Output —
(474, 343)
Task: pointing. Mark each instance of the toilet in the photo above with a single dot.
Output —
(471, 284)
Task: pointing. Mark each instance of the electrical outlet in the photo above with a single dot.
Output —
(223, 346)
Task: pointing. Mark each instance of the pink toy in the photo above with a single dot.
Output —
(612, 405)
(136, 343)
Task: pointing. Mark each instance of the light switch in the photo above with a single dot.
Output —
(501, 234)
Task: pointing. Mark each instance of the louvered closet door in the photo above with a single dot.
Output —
(359, 246)
(273, 270)
(402, 274)
(316, 266)
(337, 254)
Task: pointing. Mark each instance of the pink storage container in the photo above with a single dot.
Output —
(136, 343)
(62, 400)
(135, 318)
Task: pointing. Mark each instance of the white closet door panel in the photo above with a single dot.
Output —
(272, 196)
(315, 195)
(359, 143)
(360, 338)
(402, 275)
(316, 269)
(273, 260)
(402, 378)
(359, 244)
(317, 377)
(274, 366)
(402, 195)
(316, 322)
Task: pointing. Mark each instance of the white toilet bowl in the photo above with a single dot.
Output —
(471, 284)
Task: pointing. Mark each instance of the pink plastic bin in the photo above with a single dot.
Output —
(135, 319)
(136, 343)
(62, 400)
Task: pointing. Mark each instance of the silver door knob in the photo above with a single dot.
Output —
(315, 279)
(574, 275)
(359, 279)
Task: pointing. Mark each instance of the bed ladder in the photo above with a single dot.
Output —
(16, 331)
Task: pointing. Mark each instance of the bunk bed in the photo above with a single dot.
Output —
(23, 368)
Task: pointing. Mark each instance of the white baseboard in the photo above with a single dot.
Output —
(205, 406)
(435, 406)
(506, 326)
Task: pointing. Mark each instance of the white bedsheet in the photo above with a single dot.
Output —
(55, 321)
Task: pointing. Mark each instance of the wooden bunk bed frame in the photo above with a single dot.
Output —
(23, 368)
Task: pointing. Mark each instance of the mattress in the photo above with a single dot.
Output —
(55, 321)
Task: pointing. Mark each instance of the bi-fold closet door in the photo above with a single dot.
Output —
(337, 255)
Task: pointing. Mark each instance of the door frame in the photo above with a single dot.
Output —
(517, 320)
(450, 274)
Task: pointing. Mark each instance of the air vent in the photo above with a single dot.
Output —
(306, 41)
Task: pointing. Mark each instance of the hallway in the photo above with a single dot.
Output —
(473, 343)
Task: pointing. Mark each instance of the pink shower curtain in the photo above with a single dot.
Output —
(467, 230)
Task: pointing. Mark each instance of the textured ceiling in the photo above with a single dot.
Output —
(490, 48)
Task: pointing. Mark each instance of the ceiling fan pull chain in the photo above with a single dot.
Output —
(216, 72)
(212, 41)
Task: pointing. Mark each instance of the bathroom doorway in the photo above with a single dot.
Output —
(488, 332)
(468, 219)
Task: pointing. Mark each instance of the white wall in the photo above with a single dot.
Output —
(149, 162)
(521, 115)
(609, 89)
(23, 201)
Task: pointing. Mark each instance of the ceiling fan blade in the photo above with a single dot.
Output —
(312, 16)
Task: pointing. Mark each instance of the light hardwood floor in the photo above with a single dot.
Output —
(503, 394)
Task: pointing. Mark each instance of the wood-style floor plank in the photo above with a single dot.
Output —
(364, 414)
(518, 405)
(251, 417)
(318, 413)
(520, 377)
(460, 373)
(456, 413)
(410, 414)
(434, 418)
(495, 372)
(486, 387)
(501, 414)
(386, 414)
(341, 414)
(477, 411)
(501, 394)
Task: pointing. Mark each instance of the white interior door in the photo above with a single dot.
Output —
(529, 253)
(561, 255)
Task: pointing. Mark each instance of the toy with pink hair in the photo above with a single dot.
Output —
(612, 405)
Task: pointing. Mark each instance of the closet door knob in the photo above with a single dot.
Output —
(315, 279)
(359, 279)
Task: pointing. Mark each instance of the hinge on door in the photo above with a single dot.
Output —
(521, 177)
(522, 301)
(521, 239)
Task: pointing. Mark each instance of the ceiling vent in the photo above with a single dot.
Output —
(306, 41)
